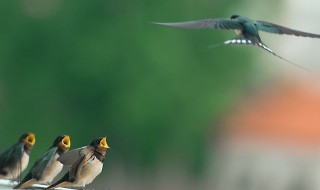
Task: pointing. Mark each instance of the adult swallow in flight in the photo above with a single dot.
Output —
(247, 30)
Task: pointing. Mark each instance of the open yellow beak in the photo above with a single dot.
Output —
(103, 143)
(31, 139)
(66, 141)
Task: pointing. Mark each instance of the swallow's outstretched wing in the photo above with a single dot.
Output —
(278, 29)
(216, 23)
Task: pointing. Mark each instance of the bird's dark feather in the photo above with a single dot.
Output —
(265, 47)
(76, 168)
(25, 179)
(11, 157)
(277, 29)
(241, 40)
(217, 23)
(63, 179)
(38, 168)
(40, 165)
(69, 158)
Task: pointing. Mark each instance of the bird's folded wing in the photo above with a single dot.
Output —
(216, 23)
(76, 168)
(72, 156)
(10, 157)
(42, 163)
(277, 29)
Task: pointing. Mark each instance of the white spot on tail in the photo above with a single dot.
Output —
(238, 41)
(265, 47)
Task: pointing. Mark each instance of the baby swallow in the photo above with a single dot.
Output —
(47, 167)
(15, 160)
(86, 163)
(247, 30)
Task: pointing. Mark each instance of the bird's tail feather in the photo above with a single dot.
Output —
(22, 184)
(216, 45)
(241, 40)
(63, 182)
(25, 184)
(238, 40)
(263, 46)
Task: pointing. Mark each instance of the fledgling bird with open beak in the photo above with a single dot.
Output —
(15, 160)
(47, 167)
(86, 164)
(247, 30)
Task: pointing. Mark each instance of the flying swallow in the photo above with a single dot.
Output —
(47, 167)
(86, 164)
(247, 30)
(14, 160)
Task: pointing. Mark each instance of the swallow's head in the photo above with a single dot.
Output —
(29, 139)
(100, 144)
(234, 16)
(62, 142)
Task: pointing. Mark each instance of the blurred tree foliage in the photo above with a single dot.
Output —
(90, 68)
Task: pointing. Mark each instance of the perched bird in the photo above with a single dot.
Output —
(47, 167)
(15, 160)
(86, 163)
(247, 30)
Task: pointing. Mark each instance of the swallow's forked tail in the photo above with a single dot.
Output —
(263, 46)
(240, 40)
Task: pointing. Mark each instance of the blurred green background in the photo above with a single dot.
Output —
(94, 68)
